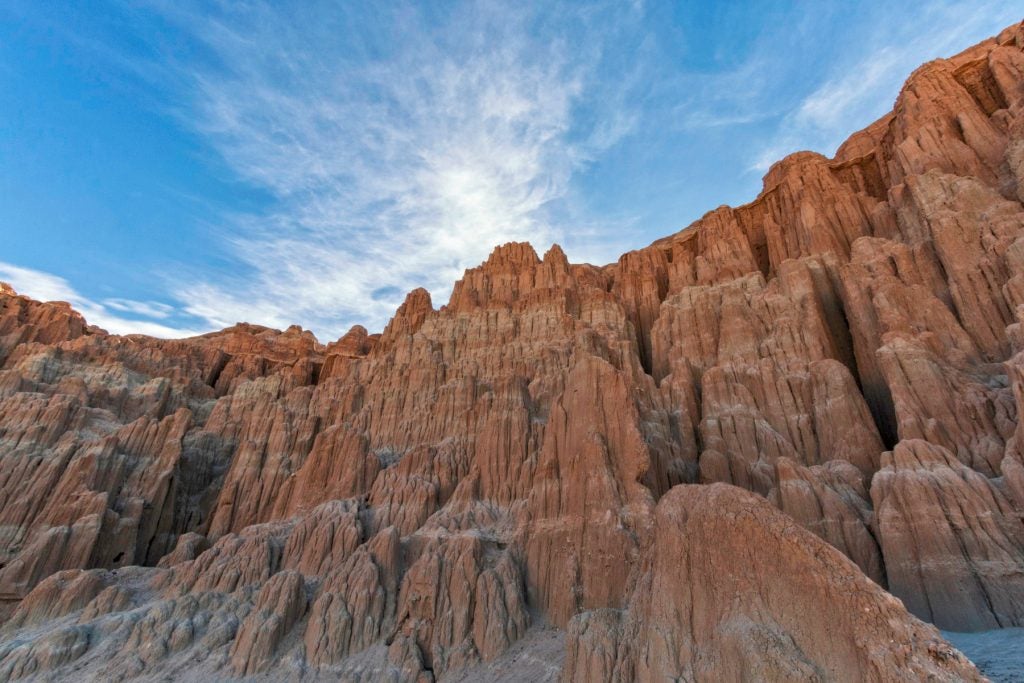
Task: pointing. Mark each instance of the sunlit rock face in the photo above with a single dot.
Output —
(771, 446)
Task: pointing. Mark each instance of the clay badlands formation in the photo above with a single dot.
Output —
(781, 444)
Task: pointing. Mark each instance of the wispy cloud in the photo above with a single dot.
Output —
(149, 309)
(47, 287)
(389, 171)
(863, 85)
(387, 146)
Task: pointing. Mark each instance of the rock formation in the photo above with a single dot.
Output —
(770, 446)
(715, 546)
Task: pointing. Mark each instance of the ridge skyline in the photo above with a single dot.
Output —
(216, 204)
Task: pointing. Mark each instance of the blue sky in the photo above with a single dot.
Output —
(175, 167)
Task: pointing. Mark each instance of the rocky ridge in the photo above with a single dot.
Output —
(772, 445)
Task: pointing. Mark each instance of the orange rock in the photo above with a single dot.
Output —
(413, 503)
(953, 545)
(686, 619)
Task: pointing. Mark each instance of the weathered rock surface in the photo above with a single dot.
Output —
(953, 544)
(562, 450)
(709, 606)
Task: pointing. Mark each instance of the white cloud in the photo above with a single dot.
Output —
(865, 84)
(148, 309)
(398, 163)
(47, 287)
(388, 173)
(395, 145)
(830, 106)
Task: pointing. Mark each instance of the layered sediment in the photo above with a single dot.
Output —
(782, 443)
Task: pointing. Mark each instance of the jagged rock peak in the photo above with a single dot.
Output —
(512, 255)
(409, 316)
(556, 257)
(766, 447)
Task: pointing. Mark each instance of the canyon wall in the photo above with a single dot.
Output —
(772, 445)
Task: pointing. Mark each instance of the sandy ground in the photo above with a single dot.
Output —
(534, 658)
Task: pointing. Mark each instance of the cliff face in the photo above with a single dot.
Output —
(710, 460)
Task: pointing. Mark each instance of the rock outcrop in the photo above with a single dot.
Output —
(934, 512)
(709, 606)
(770, 446)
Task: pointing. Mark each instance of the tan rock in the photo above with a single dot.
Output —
(713, 543)
(588, 507)
(404, 505)
(279, 604)
(953, 545)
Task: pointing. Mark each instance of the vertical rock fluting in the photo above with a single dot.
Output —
(953, 544)
(588, 509)
(417, 503)
(685, 622)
